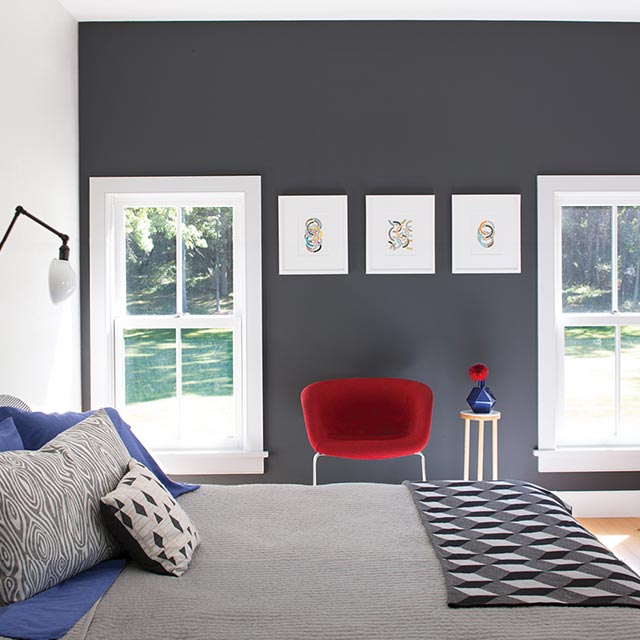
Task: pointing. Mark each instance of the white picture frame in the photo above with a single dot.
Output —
(313, 235)
(485, 233)
(400, 234)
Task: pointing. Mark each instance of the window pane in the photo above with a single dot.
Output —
(586, 259)
(151, 260)
(589, 385)
(630, 381)
(207, 385)
(150, 384)
(629, 259)
(207, 236)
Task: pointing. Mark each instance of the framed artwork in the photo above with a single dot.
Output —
(400, 234)
(313, 235)
(485, 234)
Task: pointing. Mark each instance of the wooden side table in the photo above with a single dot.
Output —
(480, 418)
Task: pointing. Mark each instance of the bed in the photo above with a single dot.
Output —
(332, 562)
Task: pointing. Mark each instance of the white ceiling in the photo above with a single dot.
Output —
(571, 10)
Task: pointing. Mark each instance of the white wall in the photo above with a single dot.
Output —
(39, 342)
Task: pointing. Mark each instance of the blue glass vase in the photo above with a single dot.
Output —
(481, 400)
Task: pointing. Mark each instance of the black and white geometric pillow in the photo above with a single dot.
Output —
(149, 524)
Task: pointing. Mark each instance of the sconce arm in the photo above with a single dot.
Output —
(64, 249)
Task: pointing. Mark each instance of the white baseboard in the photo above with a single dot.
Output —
(603, 504)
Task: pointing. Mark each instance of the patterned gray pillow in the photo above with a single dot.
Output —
(50, 523)
(149, 524)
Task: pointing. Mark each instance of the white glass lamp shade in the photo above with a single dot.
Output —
(62, 280)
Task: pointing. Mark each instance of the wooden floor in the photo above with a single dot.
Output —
(621, 535)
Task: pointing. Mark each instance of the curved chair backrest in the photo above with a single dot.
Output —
(367, 417)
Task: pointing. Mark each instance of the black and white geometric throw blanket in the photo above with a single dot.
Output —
(512, 543)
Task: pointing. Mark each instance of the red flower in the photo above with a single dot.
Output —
(478, 371)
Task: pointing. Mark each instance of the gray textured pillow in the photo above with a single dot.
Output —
(149, 524)
(50, 523)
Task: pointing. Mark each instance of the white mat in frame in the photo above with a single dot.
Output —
(313, 235)
(400, 234)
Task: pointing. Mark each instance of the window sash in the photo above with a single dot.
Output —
(614, 204)
(232, 323)
(619, 437)
(180, 201)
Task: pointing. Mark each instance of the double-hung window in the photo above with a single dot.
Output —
(589, 323)
(176, 337)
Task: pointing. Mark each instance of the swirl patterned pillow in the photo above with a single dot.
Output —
(50, 523)
(149, 524)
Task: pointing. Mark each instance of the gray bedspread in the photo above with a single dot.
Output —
(334, 562)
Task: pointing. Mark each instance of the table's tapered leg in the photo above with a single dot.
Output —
(466, 449)
(480, 449)
(495, 449)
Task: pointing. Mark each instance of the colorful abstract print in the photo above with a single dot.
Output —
(313, 235)
(400, 234)
(486, 234)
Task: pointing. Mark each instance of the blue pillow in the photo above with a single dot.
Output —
(36, 429)
(10, 439)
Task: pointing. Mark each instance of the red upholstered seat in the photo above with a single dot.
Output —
(367, 418)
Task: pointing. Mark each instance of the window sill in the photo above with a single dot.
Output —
(587, 459)
(211, 462)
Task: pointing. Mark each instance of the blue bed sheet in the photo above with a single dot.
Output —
(50, 614)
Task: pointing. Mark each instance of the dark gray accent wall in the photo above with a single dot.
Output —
(374, 108)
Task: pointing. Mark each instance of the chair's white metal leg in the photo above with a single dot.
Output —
(315, 472)
(423, 465)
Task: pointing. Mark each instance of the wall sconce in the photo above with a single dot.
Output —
(62, 278)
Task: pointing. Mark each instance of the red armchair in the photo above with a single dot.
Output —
(367, 418)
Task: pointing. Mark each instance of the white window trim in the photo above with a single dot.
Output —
(551, 457)
(104, 193)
